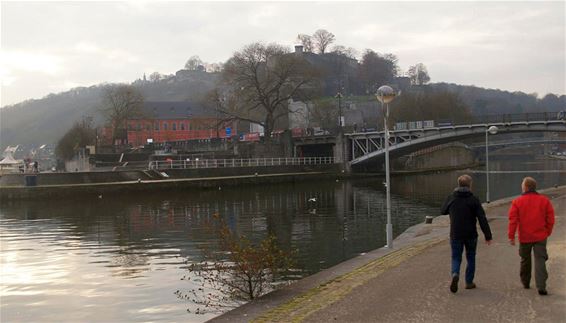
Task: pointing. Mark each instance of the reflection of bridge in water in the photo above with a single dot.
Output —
(369, 146)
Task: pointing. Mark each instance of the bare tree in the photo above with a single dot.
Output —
(260, 79)
(193, 63)
(307, 42)
(243, 271)
(120, 103)
(418, 74)
(322, 39)
(155, 76)
(349, 52)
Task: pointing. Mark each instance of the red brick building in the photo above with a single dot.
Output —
(175, 121)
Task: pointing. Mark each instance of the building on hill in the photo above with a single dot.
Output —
(175, 121)
(339, 72)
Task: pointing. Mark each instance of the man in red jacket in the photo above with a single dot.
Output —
(533, 215)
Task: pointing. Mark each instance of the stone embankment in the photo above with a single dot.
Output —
(68, 185)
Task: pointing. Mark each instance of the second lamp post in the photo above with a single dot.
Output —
(386, 94)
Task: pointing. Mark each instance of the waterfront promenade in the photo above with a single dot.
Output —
(410, 283)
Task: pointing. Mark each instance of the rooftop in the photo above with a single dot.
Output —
(175, 110)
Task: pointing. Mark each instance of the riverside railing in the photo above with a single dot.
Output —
(253, 162)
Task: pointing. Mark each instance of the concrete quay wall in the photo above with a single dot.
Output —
(95, 190)
(18, 180)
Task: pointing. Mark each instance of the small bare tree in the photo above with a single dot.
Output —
(155, 76)
(342, 50)
(322, 39)
(307, 42)
(418, 74)
(193, 63)
(120, 103)
(238, 271)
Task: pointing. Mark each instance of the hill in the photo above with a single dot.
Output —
(43, 121)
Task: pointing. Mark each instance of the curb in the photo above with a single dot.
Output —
(324, 295)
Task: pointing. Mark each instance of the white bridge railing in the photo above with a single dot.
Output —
(254, 162)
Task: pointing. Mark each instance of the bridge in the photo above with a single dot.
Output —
(368, 147)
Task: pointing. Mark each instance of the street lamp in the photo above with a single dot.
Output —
(491, 130)
(339, 96)
(386, 94)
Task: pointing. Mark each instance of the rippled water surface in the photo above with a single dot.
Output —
(121, 258)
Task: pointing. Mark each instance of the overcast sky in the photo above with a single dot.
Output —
(53, 46)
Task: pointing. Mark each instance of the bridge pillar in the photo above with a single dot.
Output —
(341, 152)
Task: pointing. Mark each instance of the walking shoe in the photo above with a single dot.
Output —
(542, 292)
(454, 284)
(470, 286)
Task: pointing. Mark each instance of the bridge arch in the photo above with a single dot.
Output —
(367, 148)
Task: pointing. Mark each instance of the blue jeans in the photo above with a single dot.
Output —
(457, 249)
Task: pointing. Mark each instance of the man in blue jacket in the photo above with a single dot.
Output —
(464, 209)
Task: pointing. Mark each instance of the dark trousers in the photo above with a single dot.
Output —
(457, 249)
(541, 256)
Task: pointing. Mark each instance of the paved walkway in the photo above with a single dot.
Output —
(411, 284)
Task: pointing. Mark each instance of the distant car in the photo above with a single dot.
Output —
(321, 132)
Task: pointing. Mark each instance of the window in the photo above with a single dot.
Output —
(174, 126)
(139, 126)
(156, 126)
(164, 125)
(182, 126)
(130, 127)
(148, 127)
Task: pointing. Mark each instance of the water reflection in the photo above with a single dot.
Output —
(121, 258)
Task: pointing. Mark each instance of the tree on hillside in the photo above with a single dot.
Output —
(418, 74)
(193, 63)
(155, 76)
(322, 38)
(376, 70)
(342, 50)
(120, 103)
(80, 135)
(429, 105)
(307, 42)
(259, 81)
(213, 67)
(324, 114)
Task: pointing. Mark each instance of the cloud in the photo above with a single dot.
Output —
(14, 61)
(116, 55)
(508, 45)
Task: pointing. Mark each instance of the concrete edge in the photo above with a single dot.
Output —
(95, 189)
(417, 234)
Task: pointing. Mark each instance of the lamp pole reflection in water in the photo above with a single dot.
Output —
(386, 94)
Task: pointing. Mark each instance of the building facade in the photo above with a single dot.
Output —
(175, 121)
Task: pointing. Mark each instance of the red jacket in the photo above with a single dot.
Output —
(534, 215)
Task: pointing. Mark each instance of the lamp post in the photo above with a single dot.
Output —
(339, 96)
(386, 94)
(491, 130)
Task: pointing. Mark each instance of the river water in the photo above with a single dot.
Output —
(121, 258)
